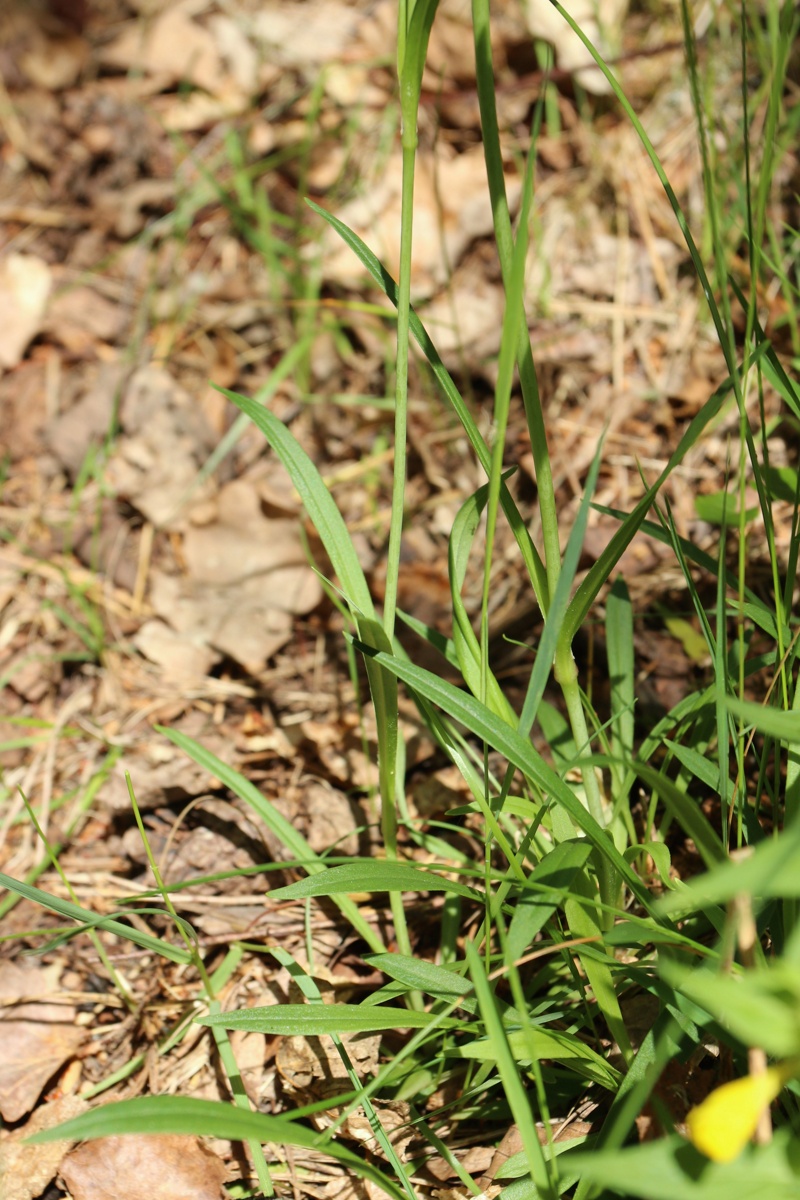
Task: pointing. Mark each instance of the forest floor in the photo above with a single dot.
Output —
(154, 564)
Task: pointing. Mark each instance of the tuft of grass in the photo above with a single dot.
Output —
(574, 909)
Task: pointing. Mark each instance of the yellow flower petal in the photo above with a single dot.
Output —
(724, 1123)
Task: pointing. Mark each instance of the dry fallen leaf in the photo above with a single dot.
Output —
(165, 441)
(327, 817)
(55, 62)
(182, 660)
(37, 1037)
(80, 317)
(247, 576)
(451, 210)
(146, 1167)
(173, 47)
(25, 282)
(600, 20)
(295, 34)
(25, 1171)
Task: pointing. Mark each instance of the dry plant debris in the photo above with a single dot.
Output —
(154, 155)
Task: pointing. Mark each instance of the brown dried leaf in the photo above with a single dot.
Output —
(37, 1040)
(149, 1167)
(166, 439)
(173, 47)
(88, 421)
(25, 1171)
(80, 317)
(55, 62)
(25, 282)
(451, 210)
(600, 20)
(247, 577)
(241, 542)
(311, 1067)
(326, 816)
(297, 35)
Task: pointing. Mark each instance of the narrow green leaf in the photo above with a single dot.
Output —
(773, 721)
(208, 1118)
(530, 555)
(508, 1070)
(424, 976)
(759, 1007)
(465, 642)
(770, 870)
(533, 909)
(602, 568)
(84, 916)
(311, 1020)
(619, 643)
(686, 811)
(548, 1045)
(518, 750)
(283, 829)
(371, 875)
(317, 501)
(584, 921)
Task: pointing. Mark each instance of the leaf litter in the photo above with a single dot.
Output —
(141, 205)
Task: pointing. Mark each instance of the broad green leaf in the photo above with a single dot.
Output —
(720, 508)
(547, 1044)
(208, 1118)
(283, 829)
(774, 722)
(423, 976)
(758, 1007)
(66, 908)
(671, 1169)
(769, 870)
(371, 875)
(311, 1020)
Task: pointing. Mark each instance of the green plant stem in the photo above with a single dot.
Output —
(413, 31)
(565, 672)
(505, 247)
(401, 379)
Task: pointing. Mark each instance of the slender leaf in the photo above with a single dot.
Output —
(372, 875)
(518, 750)
(208, 1118)
(283, 829)
(424, 976)
(317, 501)
(90, 920)
(310, 1020)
